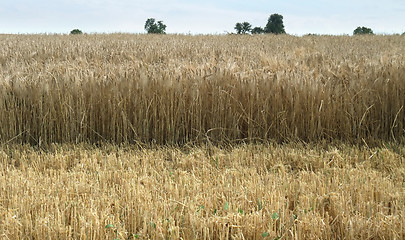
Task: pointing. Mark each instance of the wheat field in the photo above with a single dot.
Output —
(123, 136)
(170, 90)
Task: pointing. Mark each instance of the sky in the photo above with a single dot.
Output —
(200, 16)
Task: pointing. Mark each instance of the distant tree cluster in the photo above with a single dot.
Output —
(362, 30)
(274, 25)
(257, 30)
(243, 28)
(76, 32)
(155, 28)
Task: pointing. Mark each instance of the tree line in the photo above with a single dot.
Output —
(275, 25)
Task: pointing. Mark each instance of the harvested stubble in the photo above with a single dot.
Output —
(247, 192)
(179, 89)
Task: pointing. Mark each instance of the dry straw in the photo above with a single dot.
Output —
(248, 192)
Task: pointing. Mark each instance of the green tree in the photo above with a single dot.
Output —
(238, 28)
(76, 31)
(257, 30)
(246, 27)
(157, 28)
(275, 24)
(362, 30)
(243, 28)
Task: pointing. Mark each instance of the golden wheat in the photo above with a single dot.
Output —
(179, 89)
(87, 91)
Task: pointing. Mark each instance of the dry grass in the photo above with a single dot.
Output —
(245, 192)
(181, 89)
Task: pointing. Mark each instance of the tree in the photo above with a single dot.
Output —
(238, 28)
(76, 31)
(257, 30)
(157, 28)
(246, 27)
(275, 24)
(243, 28)
(362, 30)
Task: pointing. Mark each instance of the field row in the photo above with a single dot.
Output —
(181, 89)
(246, 192)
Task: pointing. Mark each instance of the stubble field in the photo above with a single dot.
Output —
(202, 137)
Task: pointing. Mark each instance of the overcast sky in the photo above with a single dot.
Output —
(200, 16)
